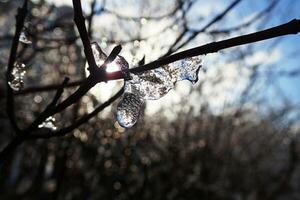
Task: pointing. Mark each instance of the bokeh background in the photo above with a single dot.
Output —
(232, 135)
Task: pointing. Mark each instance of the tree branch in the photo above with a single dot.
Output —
(292, 27)
(80, 23)
(10, 107)
(80, 121)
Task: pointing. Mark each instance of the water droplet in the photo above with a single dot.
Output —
(23, 38)
(49, 124)
(17, 75)
(128, 110)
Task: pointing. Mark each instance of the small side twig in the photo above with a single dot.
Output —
(217, 18)
(90, 19)
(45, 88)
(59, 92)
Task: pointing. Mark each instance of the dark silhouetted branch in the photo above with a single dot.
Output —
(292, 27)
(80, 121)
(10, 107)
(46, 88)
(80, 23)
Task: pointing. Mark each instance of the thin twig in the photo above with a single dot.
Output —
(195, 33)
(90, 19)
(59, 92)
(78, 122)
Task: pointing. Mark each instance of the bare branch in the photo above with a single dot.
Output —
(10, 108)
(292, 27)
(80, 23)
(80, 121)
(46, 88)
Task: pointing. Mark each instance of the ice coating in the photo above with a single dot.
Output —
(149, 85)
(99, 55)
(154, 84)
(24, 39)
(49, 124)
(128, 109)
(17, 75)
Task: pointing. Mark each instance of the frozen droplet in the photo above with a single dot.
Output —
(23, 38)
(128, 110)
(49, 124)
(17, 75)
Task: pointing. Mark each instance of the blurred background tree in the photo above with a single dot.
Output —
(233, 135)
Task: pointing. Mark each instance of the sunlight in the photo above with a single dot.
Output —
(112, 67)
(102, 91)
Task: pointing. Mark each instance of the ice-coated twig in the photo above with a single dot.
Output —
(10, 107)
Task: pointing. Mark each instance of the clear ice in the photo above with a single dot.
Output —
(23, 38)
(154, 84)
(128, 109)
(149, 85)
(119, 64)
(49, 124)
(17, 76)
